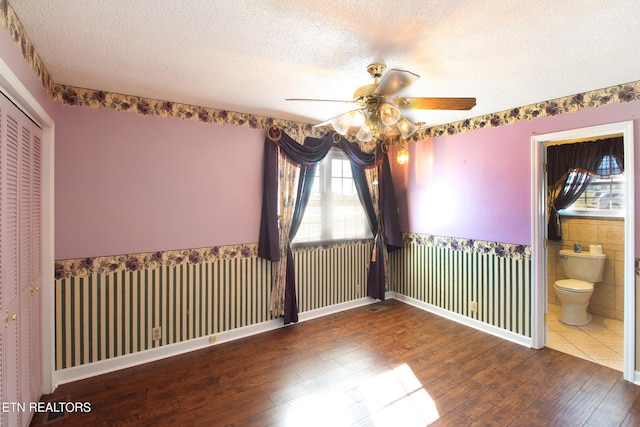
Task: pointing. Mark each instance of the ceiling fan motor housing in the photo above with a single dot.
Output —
(376, 70)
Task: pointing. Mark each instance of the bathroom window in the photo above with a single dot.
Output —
(605, 194)
(334, 211)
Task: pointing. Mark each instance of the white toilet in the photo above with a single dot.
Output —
(583, 270)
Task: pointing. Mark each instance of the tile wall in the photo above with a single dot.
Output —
(608, 296)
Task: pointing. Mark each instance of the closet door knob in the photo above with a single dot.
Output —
(8, 318)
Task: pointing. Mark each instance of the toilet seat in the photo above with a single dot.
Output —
(574, 285)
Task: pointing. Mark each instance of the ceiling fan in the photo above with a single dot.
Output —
(381, 110)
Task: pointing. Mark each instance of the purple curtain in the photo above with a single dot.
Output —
(307, 156)
(388, 234)
(571, 167)
(389, 208)
(564, 193)
(303, 155)
(305, 183)
(585, 155)
(269, 242)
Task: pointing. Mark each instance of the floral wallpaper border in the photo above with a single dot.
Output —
(83, 267)
(90, 98)
(10, 22)
(623, 93)
(96, 99)
(502, 250)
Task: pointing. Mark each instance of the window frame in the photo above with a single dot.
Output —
(611, 181)
(323, 178)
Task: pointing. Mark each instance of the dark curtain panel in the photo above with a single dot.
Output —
(386, 228)
(389, 208)
(388, 237)
(585, 155)
(303, 155)
(290, 301)
(269, 241)
(305, 183)
(571, 168)
(306, 156)
(376, 273)
(565, 192)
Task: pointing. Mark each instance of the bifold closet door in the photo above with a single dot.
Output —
(20, 267)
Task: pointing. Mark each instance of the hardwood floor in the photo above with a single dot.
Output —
(400, 366)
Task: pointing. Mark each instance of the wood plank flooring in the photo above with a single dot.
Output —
(400, 366)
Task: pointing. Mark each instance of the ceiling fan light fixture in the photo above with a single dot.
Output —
(407, 128)
(341, 124)
(389, 114)
(365, 134)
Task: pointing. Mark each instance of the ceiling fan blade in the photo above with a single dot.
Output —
(393, 81)
(319, 100)
(436, 103)
(326, 122)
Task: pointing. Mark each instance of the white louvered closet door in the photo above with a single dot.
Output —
(20, 266)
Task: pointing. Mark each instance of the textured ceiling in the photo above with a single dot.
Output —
(248, 56)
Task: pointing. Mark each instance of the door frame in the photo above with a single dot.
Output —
(539, 234)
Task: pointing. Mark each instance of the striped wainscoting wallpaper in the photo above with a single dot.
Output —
(449, 273)
(331, 274)
(107, 306)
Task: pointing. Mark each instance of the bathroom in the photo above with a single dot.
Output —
(586, 224)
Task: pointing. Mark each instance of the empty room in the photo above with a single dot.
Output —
(339, 213)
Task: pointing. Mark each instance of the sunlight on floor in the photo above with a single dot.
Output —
(394, 399)
(321, 410)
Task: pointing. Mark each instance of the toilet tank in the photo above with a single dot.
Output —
(582, 265)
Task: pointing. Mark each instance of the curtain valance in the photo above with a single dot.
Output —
(305, 155)
(585, 155)
(315, 149)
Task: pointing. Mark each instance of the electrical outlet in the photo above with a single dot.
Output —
(473, 306)
(156, 333)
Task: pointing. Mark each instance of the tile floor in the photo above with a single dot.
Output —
(600, 341)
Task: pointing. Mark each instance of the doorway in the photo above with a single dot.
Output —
(539, 231)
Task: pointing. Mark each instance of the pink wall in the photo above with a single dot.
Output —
(126, 183)
(476, 185)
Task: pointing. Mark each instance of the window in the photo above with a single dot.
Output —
(605, 194)
(334, 211)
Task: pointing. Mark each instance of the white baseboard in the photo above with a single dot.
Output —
(320, 312)
(129, 360)
(476, 324)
